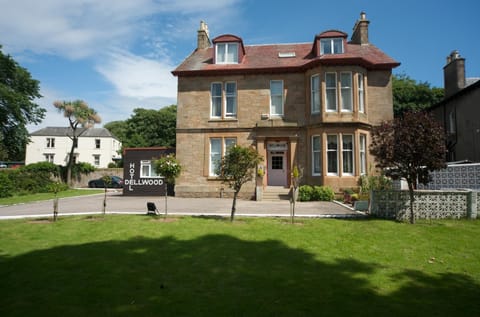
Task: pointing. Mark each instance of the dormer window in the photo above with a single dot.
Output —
(228, 49)
(331, 46)
(227, 53)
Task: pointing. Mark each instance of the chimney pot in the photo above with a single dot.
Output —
(203, 37)
(360, 30)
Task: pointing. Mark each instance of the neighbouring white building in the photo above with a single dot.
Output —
(96, 146)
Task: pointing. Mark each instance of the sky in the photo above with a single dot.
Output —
(117, 55)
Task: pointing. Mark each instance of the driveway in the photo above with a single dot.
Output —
(119, 204)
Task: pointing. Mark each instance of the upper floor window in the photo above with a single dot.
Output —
(346, 87)
(315, 93)
(97, 143)
(331, 91)
(331, 46)
(226, 53)
(219, 108)
(276, 97)
(361, 93)
(50, 142)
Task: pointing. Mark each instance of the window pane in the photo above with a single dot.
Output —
(337, 46)
(232, 54)
(215, 154)
(316, 155)
(331, 93)
(361, 94)
(229, 142)
(363, 155)
(231, 93)
(216, 100)
(221, 48)
(276, 97)
(347, 151)
(315, 94)
(332, 154)
(326, 46)
(346, 84)
(277, 162)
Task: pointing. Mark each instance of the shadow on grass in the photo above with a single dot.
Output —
(215, 275)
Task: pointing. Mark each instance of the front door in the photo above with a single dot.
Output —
(277, 168)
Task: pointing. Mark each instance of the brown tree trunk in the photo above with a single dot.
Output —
(234, 204)
(412, 198)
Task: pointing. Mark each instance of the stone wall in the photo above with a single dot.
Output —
(83, 180)
(428, 204)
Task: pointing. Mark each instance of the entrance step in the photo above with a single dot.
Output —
(273, 193)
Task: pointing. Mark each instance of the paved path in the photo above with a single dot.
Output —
(117, 203)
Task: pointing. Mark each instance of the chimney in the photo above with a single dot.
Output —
(360, 30)
(454, 74)
(203, 39)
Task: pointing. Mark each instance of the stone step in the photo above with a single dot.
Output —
(273, 193)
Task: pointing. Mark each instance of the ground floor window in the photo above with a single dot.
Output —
(363, 154)
(218, 148)
(316, 155)
(96, 160)
(347, 154)
(332, 154)
(147, 169)
(49, 157)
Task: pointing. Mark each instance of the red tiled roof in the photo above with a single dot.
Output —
(265, 58)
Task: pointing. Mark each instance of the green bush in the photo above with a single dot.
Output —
(323, 193)
(43, 168)
(305, 193)
(6, 185)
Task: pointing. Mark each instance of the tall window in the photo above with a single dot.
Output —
(347, 153)
(96, 160)
(331, 91)
(276, 97)
(316, 155)
(218, 147)
(346, 88)
(226, 53)
(361, 93)
(217, 93)
(331, 46)
(147, 170)
(50, 143)
(49, 157)
(231, 99)
(332, 154)
(97, 143)
(315, 93)
(363, 154)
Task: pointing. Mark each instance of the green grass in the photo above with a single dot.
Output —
(46, 196)
(200, 266)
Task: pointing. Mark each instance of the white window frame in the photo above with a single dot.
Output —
(317, 153)
(346, 92)
(50, 143)
(363, 154)
(348, 154)
(361, 92)
(49, 157)
(332, 150)
(279, 95)
(315, 94)
(226, 53)
(150, 170)
(330, 88)
(328, 46)
(225, 143)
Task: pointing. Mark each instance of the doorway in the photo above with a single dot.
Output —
(277, 168)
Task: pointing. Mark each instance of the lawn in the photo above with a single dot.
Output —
(202, 266)
(46, 196)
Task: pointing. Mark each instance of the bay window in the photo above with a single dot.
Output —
(331, 91)
(347, 154)
(315, 93)
(361, 93)
(332, 154)
(316, 155)
(346, 91)
(363, 154)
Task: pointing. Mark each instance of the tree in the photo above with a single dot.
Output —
(17, 108)
(410, 147)
(236, 168)
(170, 169)
(410, 95)
(79, 115)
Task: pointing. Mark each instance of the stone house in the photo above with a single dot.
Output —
(310, 105)
(459, 112)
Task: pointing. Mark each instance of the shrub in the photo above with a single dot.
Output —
(323, 193)
(42, 168)
(6, 185)
(305, 193)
